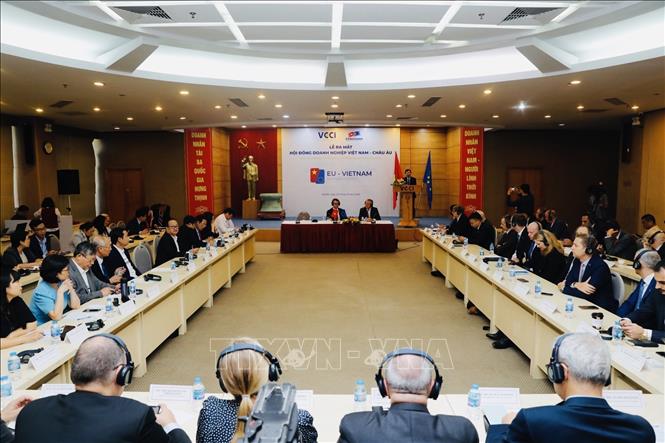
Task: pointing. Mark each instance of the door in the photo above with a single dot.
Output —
(532, 176)
(124, 192)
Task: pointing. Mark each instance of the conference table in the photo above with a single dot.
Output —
(326, 236)
(531, 323)
(145, 322)
(328, 410)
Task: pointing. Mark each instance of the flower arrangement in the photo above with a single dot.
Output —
(351, 221)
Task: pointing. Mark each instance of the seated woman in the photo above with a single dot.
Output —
(19, 255)
(17, 324)
(335, 213)
(241, 370)
(54, 294)
(551, 264)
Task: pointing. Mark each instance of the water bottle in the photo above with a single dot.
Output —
(512, 273)
(617, 332)
(208, 253)
(198, 391)
(13, 364)
(6, 389)
(190, 257)
(499, 264)
(466, 243)
(473, 403)
(359, 395)
(538, 289)
(570, 307)
(173, 272)
(481, 252)
(132, 288)
(108, 310)
(55, 332)
(492, 248)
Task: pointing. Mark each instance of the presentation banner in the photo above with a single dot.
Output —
(198, 170)
(471, 167)
(351, 164)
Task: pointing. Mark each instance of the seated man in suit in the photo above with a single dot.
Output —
(460, 224)
(190, 235)
(101, 369)
(102, 244)
(171, 244)
(203, 232)
(335, 213)
(657, 243)
(85, 233)
(482, 232)
(369, 212)
(589, 277)
(579, 368)
(119, 256)
(139, 226)
(518, 222)
(556, 226)
(645, 264)
(532, 254)
(617, 242)
(648, 322)
(86, 284)
(40, 242)
(409, 377)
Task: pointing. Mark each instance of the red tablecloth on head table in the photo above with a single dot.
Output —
(340, 237)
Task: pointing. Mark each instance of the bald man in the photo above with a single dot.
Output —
(95, 411)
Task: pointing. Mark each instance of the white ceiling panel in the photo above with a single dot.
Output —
(277, 12)
(300, 46)
(479, 33)
(286, 32)
(213, 34)
(351, 46)
(385, 33)
(393, 13)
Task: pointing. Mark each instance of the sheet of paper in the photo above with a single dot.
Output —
(170, 393)
(49, 389)
(624, 400)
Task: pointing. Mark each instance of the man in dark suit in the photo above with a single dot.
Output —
(138, 225)
(336, 213)
(532, 255)
(40, 242)
(657, 243)
(648, 322)
(190, 236)
(589, 277)
(102, 244)
(460, 224)
(408, 380)
(102, 367)
(369, 211)
(86, 284)
(171, 245)
(555, 225)
(524, 204)
(518, 223)
(579, 367)
(645, 264)
(119, 256)
(482, 232)
(617, 242)
(411, 180)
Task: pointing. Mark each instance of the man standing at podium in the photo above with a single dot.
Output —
(410, 180)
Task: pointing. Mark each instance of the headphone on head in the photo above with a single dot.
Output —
(274, 368)
(591, 245)
(544, 240)
(652, 239)
(438, 379)
(126, 372)
(555, 369)
(636, 264)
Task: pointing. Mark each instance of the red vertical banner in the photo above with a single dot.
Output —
(198, 170)
(471, 167)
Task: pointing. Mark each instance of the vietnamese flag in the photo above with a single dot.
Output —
(313, 174)
(398, 176)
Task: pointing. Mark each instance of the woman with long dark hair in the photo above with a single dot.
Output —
(50, 215)
(17, 324)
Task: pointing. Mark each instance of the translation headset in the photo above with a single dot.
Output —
(555, 369)
(591, 245)
(274, 368)
(653, 237)
(126, 372)
(545, 242)
(438, 379)
(636, 264)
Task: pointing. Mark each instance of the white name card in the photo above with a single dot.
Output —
(191, 266)
(624, 399)
(521, 289)
(547, 306)
(586, 328)
(152, 292)
(213, 251)
(127, 307)
(629, 359)
(498, 275)
(471, 257)
(305, 399)
(170, 393)
(46, 358)
(49, 389)
(465, 252)
(77, 335)
(377, 400)
(484, 266)
(175, 277)
(508, 397)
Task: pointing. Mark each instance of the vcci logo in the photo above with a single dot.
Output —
(354, 135)
(327, 134)
(317, 176)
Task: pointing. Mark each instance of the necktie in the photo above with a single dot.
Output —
(582, 268)
(640, 294)
(533, 246)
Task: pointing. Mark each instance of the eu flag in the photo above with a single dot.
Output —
(427, 179)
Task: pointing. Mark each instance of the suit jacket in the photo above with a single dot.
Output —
(559, 229)
(78, 237)
(483, 236)
(190, 238)
(523, 245)
(651, 315)
(578, 419)
(460, 227)
(34, 246)
(134, 227)
(115, 261)
(524, 205)
(373, 213)
(507, 244)
(166, 249)
(630, 304)
(661, 251)
(551, 267)
(405, 422)
(622, 246)
(410, 180)
(11, 257)
(85, 293)
(101, 272)
(77, 417)
(532, 257)
(599, 276)
(342, 213)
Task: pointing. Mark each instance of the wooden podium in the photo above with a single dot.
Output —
(406, 203)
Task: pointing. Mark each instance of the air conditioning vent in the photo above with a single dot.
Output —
(520, 13)
(61, 104)
(153, 11)
(264, 119)
(616, 101)
(406, 118)
(238, 102)
(430, 101)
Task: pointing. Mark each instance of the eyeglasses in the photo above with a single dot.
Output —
(173, 227)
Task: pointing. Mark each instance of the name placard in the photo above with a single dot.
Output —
(170, 393)
(547, 306)
(127, 307)
(49, 389)
(46, 358)
(152, 292)
(629, 360)
(521, 289)
(624, 399)
(497, 275)
(484, 266)
(77, 335)
(305, 399)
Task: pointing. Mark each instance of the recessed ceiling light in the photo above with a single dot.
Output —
(487, 91)
(521, 106)
(305, 126)
(100, 84)
(334, 105)
(261, 96)
(184, 92)
(243, 126)
(158, 108)
(96, 109)
(130, 118)
(397, 125)
(389, 116)
(116, 128)
(634, 107)
(183, 118)
(218, 106)
(411, 96)
(366, 124)
(462, 106)
(285, 116)
(575, 82)
(495, 116)
(274, 126)
(443, 116)
(398, 106)
(40, 110)
(580, 107)
(548, 116)
(234, 117)
(334, 97)
(278, 105)
(562, 124)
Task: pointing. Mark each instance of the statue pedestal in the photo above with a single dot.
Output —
(250, 209)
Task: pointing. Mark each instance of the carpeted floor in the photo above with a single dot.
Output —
(329, 317)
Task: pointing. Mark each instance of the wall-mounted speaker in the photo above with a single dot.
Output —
(68, 182)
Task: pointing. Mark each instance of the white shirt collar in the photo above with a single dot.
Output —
(648, 278)
(83, 273)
